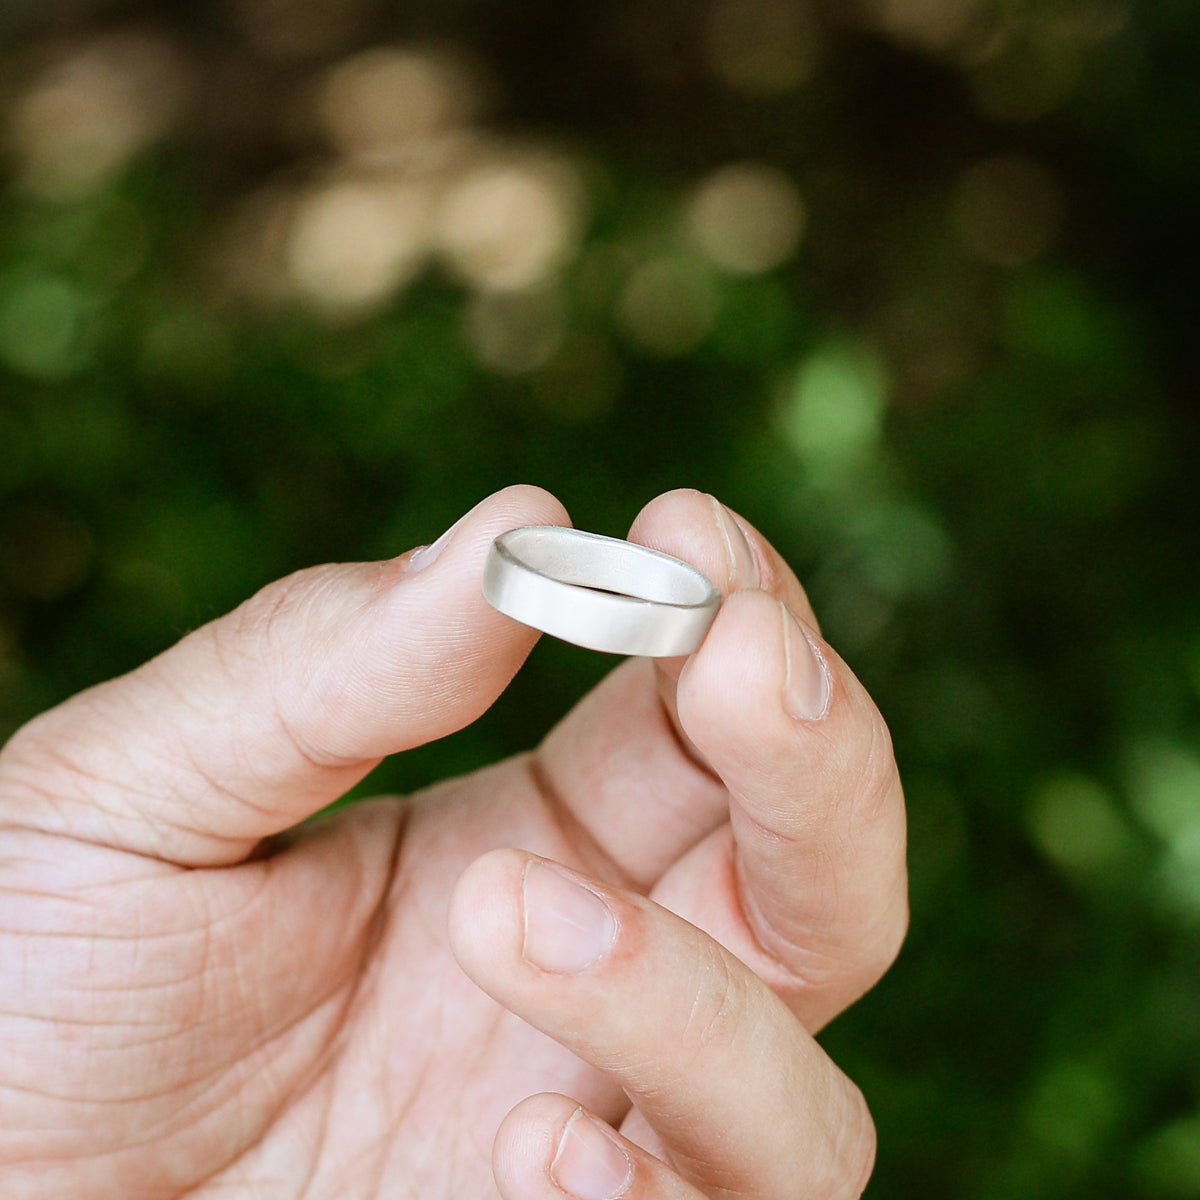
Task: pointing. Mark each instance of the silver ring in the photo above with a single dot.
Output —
(599, 592)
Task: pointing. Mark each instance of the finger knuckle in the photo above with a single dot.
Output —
(718, 1007)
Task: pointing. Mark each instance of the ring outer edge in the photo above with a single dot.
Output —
(613, 623)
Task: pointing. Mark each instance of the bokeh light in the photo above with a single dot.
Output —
(91, 109)
(44, 328)
(667, 307)
(510, 222)
(761, 47)
(833, 413)
(1008, 209)
(747, 217)
(1168, 1164)
(296, 30)
(937, 25)
(1078, 826)
(516, 332)
(582, 382)
(355, 242)
(389, 101)
(1164, 783)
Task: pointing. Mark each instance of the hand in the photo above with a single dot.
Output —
(648, 916)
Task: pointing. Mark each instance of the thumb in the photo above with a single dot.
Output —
(253, 722)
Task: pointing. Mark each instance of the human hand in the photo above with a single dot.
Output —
(648, 916)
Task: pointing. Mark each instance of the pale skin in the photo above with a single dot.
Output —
(592, 970)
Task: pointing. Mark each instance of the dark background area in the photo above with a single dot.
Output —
(903, 281)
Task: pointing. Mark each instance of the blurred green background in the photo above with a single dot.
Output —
(903, 281)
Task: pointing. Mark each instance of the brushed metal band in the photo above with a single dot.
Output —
(599, 592)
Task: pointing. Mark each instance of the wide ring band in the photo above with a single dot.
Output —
(599, 592)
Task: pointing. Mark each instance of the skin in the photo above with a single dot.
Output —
(201, 996)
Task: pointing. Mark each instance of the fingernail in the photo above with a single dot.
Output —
(807, 685)
(567, 927)
(743, 564)
(424, 556)
(589, 1163)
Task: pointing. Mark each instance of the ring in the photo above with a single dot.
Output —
(599, 592)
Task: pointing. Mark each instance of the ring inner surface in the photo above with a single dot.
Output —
(610, 565)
